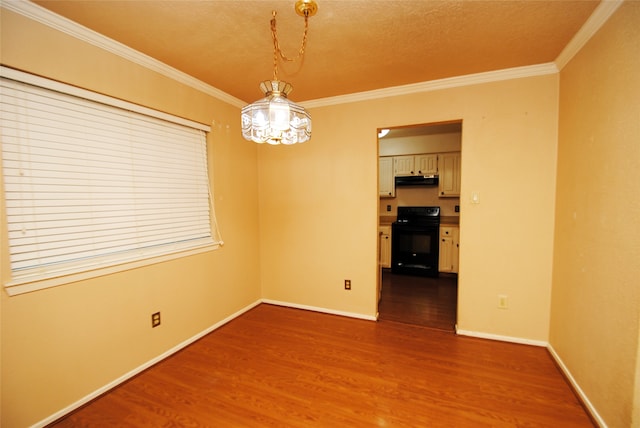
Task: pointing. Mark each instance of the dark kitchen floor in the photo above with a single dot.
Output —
(429, 302)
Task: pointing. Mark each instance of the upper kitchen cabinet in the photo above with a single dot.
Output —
(386, 185)
(416, 165)
(426, 164)
(421, 150)
(449, 170)
(403, 165)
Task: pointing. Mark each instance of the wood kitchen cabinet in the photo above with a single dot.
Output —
(403, 165)
(416, 165)
(449, 171)
(426, 164)
(446, 165)
(386, 186)
(384, 232)
(449, 249)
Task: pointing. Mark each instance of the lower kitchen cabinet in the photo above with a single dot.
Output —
(449, 247)
(384, 232)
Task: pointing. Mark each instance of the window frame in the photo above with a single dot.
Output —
(18, 285)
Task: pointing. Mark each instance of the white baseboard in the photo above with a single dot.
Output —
(583, 397)
(319, 309)
(141, 368)
(502, 338)
(585, 400)
(219, 324)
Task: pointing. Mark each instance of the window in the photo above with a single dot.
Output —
(90, 186)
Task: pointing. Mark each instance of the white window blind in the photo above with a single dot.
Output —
(88, 185)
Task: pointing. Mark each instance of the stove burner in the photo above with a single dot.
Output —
(419, 215)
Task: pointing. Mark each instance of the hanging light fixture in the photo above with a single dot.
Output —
(275, 119)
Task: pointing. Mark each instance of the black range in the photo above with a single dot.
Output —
(414, 244)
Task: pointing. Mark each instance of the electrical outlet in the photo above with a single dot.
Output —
(388, 207)
(502, 301)
(155, 319)
(347, 284)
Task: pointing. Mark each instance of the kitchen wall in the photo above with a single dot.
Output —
(595, 310)
(418, 196)
(425, 196)
(418, 144)
(60, 344)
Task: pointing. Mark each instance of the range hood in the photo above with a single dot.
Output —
(417, 180)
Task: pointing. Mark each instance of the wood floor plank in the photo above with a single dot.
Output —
(431, 302)
(282, 367)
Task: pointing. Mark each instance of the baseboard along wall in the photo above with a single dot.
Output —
(95, 394)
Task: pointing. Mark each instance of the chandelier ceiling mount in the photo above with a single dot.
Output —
(306, 8)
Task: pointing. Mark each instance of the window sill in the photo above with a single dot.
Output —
(27, 285)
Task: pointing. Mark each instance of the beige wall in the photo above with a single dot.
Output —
(596, 291)
(319, 203)
(60, 344)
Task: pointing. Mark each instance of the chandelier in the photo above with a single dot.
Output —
(275, 119)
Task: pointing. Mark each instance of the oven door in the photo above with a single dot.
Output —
(414, 249)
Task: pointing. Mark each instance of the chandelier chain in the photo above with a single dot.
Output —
(277, 50)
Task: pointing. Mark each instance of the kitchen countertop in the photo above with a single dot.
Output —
(386, 220)
(450, 220)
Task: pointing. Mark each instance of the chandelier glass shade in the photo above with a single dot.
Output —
(275, 119)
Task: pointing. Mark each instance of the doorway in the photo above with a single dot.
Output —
(411, 150)
(425, 301)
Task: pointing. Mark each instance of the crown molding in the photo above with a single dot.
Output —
(436, 85)
(600, 15)
(60, 23)
(33, 11)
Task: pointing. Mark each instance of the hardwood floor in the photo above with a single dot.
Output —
(431, 302)
(283, 367)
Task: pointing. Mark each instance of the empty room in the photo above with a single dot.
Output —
(162, 266)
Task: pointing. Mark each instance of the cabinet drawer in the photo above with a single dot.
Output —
(446, 231)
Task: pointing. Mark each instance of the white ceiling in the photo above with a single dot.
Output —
(353, 46)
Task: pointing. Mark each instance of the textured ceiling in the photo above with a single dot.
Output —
(353, 46)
